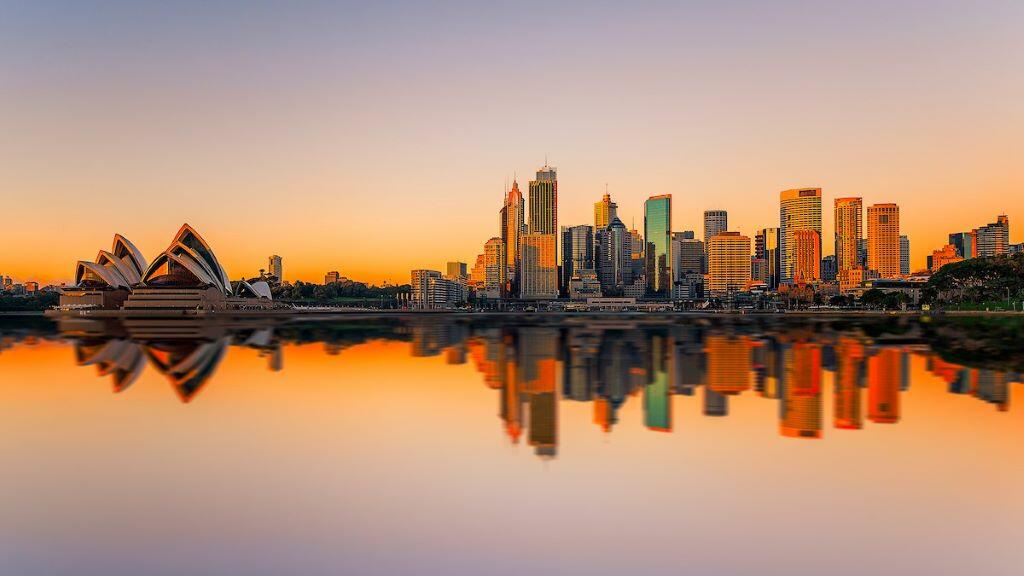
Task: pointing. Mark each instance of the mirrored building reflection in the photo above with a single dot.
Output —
(533, 368)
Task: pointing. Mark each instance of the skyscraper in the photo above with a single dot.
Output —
(544, 202)
(604, 212)
(687, 266)
(965, 243)
(799, 209)
(806, 256)
(276, 268)
(538, 267)
(994, 238)
(658, 236)
(728, 263)
(455, 271)
(614, 258)
(904, 255)
(884, 240)
(577, 252)
(715, 222)
(512, 229)
(849, 230)
(495, 267)
(766, 247)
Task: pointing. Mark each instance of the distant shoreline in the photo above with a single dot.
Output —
(343, 313)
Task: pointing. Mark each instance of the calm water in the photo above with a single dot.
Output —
(432, 446)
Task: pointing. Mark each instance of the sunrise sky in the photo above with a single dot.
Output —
(377, 137)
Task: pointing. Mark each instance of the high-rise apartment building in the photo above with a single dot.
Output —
(544, 202)
(728, 263)
(539, 268)
(577, 252)
(994, 238)
(806, 256)
(512, 229)
(849, 214)
(766, 247)
(495, 268)
(658, 237)
(604, 212)
(884, 240)
(904, 255)
(276, 268)
(799, 209)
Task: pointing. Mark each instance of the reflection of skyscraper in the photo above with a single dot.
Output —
(801, 399)
(850, 360)
(511, 400)
(657, 394)
(729, 363)
(715, 404)
(993, 388)
(537, 347)
(884, 370)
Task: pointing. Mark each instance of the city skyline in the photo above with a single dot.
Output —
(337, 126)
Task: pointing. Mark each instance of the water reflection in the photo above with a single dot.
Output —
(532, 366)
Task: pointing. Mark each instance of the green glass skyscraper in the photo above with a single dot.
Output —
(658, 238)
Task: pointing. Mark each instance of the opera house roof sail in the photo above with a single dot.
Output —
(120, 268)
(188, 261)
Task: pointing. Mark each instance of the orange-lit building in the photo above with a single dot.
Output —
(884, 240)
(884, 370)
(729, 363)
(945, 255)
(807, 256)
(801, 398)
(846, 398)
(728, 263)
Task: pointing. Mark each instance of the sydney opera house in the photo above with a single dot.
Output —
(185, 278)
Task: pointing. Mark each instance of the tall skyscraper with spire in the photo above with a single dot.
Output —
(604, 212)
(512, 229)
(544, 202)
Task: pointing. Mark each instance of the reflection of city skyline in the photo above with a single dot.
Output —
(534, 367)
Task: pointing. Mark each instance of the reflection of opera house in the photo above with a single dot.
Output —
(184, 278)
